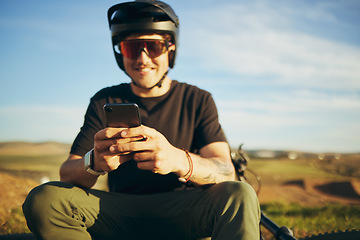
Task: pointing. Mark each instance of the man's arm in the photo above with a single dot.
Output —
(73, 171)
(213, 165)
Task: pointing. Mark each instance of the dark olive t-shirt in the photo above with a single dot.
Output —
(185, 115)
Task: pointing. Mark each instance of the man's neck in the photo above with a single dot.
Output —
(154, 92)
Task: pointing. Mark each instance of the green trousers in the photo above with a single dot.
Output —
(224, 211)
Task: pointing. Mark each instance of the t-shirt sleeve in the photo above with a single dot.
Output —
(208, 128)
(93, 122)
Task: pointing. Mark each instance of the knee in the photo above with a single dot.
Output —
(39, 201)
(237, 191)
(237, 196)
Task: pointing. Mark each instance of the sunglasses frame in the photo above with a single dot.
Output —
(165, 47)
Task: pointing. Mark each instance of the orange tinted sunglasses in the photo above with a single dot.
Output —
(152, 47)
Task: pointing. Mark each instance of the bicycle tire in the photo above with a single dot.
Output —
(347, 235)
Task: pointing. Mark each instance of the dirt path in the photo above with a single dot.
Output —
(313, 192)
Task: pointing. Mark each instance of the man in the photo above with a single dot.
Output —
(170, 178)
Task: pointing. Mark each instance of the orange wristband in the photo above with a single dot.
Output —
(191, 168)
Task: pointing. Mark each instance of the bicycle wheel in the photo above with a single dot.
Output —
(251, 178)
(347, 235)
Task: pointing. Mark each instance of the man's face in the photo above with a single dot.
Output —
(144, 70)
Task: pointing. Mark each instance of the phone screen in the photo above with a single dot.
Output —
(124, 115)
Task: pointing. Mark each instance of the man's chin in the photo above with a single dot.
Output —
(143, 83)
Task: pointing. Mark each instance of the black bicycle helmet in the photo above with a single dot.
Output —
(142, 16)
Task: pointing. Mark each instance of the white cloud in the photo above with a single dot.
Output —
(265, 42)
(295, 102)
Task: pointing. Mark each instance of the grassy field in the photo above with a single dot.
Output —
(304, 220)
(14, 222)
(278, 171)
(33, 166)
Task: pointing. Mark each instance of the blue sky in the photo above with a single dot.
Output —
(284, 74)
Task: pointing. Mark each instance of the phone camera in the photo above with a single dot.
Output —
(109, 109)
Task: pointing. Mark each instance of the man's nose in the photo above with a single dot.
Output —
(144, 55)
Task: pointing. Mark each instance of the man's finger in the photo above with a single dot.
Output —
(108, 133)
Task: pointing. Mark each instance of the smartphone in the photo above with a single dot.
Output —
(124, 115)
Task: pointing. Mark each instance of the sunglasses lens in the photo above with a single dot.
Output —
(132, 48)
(155, 48)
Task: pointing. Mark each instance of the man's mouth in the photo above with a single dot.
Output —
(144, 69)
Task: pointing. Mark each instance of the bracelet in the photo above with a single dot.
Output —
(191, 168)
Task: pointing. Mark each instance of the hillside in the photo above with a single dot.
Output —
(37, 161)
(33, 149)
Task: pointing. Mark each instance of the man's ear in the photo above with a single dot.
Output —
(172, 47)
(171, 55)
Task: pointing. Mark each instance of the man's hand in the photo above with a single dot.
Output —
(149, 148)
(105, 158)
